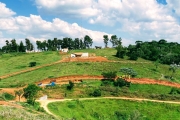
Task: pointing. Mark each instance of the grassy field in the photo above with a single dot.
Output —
(85, 68)
(19, 61)
(84, 89)
(11, 113)
(11, 62)
(106, 109)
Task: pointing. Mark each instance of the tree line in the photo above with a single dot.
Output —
(57, 44)
(160, 51)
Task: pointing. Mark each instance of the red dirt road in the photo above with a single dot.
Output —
(78, 78)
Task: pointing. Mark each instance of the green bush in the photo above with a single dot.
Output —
(121, 82)
(175, 91)
(8, 96)
(70, 86)
(32, 64)
(96, 93)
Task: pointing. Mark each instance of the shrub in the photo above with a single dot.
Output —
(96, 93)
(8, 96)
(32, 64)
(175, 91)
(70, 86)
(110, 75)
(121, 82)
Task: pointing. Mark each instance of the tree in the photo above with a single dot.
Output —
(121, 51)
(87, 41)
(76, 43)
(19, 93)
(113, 40)
(70, 86)
(106, 39)
(28, 44)
(30, 93)
(128, 72)
(14, 46)
(22, 47)
(81, 46)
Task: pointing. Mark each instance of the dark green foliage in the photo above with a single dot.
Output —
(96, 93)
(121, 51)
(110, 75)
(8, 96)
(175, 91)
(87, 41)
(32, 64)
(30, 93)
(121, 82)
(22, 48)
(70, 86)
(107, 82)
(166, 53)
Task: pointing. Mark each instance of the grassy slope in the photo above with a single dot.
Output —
(75, 68)
(144, 70)
(114, 110)
(11, 113)
(83, 89)
(19, 61)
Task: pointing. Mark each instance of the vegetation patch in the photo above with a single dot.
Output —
(111, 109)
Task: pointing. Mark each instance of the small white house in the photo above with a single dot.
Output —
(73, 55)
(85, 55)
(79, 55)
(64, 50)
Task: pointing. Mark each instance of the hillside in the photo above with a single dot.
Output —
(53, 66)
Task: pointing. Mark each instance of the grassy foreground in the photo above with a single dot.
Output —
(12, 113)
(109, 109)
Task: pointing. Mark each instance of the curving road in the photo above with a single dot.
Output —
(44, 103)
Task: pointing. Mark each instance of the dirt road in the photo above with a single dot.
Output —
(44, 103)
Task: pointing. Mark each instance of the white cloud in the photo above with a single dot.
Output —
(130, 19)
(35, 28)
(5, 12)
(174, 5)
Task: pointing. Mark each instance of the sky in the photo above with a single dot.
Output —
(132, 20)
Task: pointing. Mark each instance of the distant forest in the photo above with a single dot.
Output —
(160, 51)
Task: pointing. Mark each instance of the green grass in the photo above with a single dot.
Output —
(14, 62)
(84, 68)
(11, 113)
(82, 90)
(109, 109)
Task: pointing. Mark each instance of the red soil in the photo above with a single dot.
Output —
(78, 78)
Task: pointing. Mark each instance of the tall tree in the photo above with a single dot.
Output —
(14, 46)
(106, 39)
(59, 44)
(113, 40)
(22, 47)
(76, 43)
(81, 44)
(7, 47)
(87, 41)
(29, 45)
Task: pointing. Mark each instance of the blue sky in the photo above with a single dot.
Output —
(131, 20)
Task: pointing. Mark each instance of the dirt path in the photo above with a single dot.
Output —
(78, 78)
(44, 103)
